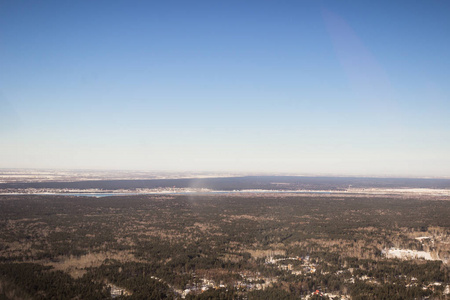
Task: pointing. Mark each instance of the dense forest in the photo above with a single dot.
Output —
(223, 247)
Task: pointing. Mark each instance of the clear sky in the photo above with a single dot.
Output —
(303, 87)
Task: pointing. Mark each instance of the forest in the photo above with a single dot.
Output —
(223, 247)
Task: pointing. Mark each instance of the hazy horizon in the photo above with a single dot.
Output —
(153, 174)
(318, 88)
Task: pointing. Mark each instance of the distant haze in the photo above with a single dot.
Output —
(294, 87)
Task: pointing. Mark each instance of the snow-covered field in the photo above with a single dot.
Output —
(32, 175)
(408, 254)
(165, 190)
(401, 191)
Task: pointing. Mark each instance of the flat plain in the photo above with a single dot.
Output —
(225, 246)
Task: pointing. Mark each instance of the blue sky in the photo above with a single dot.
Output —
(302, 87)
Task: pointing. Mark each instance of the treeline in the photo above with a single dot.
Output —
(41, 282)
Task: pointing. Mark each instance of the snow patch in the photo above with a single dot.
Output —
(407, 254)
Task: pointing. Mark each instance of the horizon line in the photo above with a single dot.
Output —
(225, 173)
